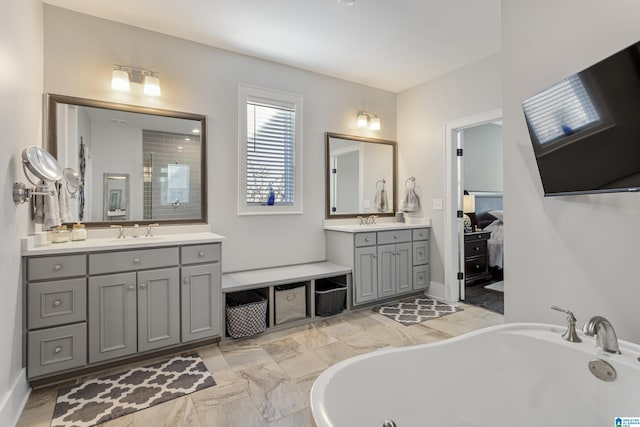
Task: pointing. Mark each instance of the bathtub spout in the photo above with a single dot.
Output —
(606, 338)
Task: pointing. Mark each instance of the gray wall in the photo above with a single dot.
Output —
(483, 158)
(200, 79)
(578, 252)
(20, 118)
(422, 113)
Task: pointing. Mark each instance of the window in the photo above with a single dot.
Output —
(270, 152)
(560, 110)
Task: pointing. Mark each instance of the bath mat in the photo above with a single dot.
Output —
(496, 286)
(481, 296)
(418, 310)
(100, 400)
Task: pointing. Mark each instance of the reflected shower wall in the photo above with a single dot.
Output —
(171, 175)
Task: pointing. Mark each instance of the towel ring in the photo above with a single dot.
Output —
(381, 181)
(413, 185)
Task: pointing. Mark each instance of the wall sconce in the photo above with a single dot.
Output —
(123, 75)
(370, 120)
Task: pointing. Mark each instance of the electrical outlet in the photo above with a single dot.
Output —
(437, 204)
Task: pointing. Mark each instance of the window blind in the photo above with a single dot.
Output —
(270, 153)
(560, 110)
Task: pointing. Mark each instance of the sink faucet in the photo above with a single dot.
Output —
(570, 334)
(120, 231)
(148, 233)
(606, 338)
(371, 219)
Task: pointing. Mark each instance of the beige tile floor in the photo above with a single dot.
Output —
(266, 380)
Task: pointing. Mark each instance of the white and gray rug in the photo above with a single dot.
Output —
(418, 310)
(496, 286)
(100, 400)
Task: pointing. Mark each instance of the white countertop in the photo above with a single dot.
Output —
(357, 228)
(32, 245)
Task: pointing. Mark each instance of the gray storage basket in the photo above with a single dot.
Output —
(246, 313)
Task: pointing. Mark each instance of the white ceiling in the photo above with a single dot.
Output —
(388, 44)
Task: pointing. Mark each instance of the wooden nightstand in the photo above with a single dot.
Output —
(476, 257)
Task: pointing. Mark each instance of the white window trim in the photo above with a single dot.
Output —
(246, 92)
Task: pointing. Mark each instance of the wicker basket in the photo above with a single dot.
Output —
(246, 313)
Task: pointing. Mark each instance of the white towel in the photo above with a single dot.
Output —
(64, 204)
(411, 201)
(380, 202)
(51, 208)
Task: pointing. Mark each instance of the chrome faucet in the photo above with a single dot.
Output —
(371, 219)
(148, 233)
(361, 218)
(120, 231)
(606, 338)
(570, 334)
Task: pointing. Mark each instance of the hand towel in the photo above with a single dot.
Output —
(64, 204)
(51, 208)
(411, 201)
(380, 202)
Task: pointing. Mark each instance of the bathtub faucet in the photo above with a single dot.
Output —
(570, 334)
(606, 338)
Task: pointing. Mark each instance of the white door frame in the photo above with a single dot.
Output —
(453, 199)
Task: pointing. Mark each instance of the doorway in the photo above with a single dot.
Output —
(454, 242)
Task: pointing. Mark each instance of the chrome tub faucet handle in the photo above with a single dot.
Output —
(570, 334)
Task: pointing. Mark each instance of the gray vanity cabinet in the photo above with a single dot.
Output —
(201, 290)
(385, 263)
(133, 312)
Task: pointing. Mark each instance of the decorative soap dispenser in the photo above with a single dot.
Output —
(272, 197)
(78, 232)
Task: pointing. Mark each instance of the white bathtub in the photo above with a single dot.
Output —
(518, 374)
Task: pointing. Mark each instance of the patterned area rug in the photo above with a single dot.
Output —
(417, 310)
(100, 400)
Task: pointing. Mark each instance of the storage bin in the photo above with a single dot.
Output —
(246, 313)
(290, 302)
(330, 297)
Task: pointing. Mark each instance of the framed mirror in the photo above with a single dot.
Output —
(155, 159)
(360, 176)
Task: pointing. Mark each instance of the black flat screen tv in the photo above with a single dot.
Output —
(585, 129)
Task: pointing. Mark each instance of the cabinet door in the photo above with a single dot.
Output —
(404, 267)
(201, 302)
(365, 275)
(112, 316)
(158, 308)
(386, 271)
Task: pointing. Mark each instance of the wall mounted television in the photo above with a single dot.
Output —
(585, 129)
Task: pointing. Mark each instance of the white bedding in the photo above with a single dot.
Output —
(495, 243)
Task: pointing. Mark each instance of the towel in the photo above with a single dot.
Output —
(64, 204)
(411, 201)
(380, 202)
(51, 208)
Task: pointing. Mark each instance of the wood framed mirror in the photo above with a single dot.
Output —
(360, 176)
(163, 154)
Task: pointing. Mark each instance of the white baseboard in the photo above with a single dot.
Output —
(15, 400)
(437, 291)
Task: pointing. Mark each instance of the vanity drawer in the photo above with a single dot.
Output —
(54, 267)
(112, 262)
(421, 234)
(365, 239)
(475, 265)
(56, 303)
(394, 236)
(421, 277)
(55, 349)
(475, 248)
(421, 252)
(200, 253)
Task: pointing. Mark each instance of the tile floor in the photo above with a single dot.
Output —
(266, 380)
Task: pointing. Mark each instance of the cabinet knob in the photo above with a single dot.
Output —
(136, 261)
(375, 256)
(477, 266)
(57, 267)
(476, 249)
(201, 254)
(57, 303)
(185, 281)
(131, 287)
(366, 239)
(143, 285)
(479, 236)
(395, 236)
(57, 350)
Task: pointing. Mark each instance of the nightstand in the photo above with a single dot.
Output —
(476, 257)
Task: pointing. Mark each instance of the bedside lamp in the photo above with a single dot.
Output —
(469, 207)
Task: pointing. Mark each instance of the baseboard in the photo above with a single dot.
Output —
(437, 291)
(15, 400)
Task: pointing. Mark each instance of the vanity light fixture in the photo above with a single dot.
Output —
(370, 120)
(124, 75)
